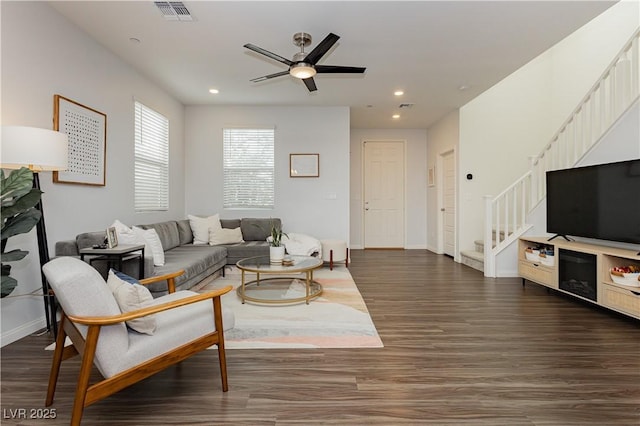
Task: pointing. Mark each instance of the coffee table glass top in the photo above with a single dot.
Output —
(261, 264)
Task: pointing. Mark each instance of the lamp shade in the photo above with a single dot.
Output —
(32, 147)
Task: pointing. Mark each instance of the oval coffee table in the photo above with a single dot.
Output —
(280, 289)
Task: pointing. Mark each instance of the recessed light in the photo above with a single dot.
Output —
(214, 91)
(395, 116)
(398, 93)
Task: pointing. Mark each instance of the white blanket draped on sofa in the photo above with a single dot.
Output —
(301, 245)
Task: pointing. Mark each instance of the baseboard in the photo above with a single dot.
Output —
(416, 247)
(22, 331)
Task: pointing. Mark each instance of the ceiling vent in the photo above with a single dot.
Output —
(405, 106)
(174, 11)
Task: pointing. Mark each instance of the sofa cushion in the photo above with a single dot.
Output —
(235, 252)
(185, 236)
(257, 229)
(194, 259)
(230, 223)
(168, 233)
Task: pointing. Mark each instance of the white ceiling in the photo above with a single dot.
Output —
(426, 48)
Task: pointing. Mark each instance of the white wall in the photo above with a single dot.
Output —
(514, 119)
(443, 136)
(416, 183)
(315, 206)
(42, 55)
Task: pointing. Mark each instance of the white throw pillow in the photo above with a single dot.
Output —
(201, 226)
(126, 234)
(153, 245)
(131, 297)
(225, 236)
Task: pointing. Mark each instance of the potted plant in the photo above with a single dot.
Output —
(19, 216)
(276, 249)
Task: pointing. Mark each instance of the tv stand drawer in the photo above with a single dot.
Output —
(621, 299)
(538, 273)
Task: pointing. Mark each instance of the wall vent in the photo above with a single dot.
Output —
(174, 11)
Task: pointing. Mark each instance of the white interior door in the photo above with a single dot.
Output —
(449, 203)
(383, 194)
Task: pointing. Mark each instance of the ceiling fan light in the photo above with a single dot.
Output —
(302, 70)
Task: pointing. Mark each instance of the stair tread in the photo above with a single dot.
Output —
(473, 254)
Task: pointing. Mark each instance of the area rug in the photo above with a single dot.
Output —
(338, 318)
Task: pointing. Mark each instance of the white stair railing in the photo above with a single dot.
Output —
(609, 98)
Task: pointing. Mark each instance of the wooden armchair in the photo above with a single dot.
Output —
(187, 323)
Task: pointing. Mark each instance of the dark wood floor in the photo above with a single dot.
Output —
(459, 349)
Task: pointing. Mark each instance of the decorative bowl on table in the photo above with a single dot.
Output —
(626, 275)
(547, 259)
(532, 254)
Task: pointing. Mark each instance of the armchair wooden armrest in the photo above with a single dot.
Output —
(127, 316)
(170, 277)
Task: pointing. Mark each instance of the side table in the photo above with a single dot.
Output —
(118, 254)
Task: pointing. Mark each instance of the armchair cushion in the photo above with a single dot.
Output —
(132, 296)
(81, 291)
(171, 331)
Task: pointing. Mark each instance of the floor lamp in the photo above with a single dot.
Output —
(40, 150)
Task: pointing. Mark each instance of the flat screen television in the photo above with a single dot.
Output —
(600, 202)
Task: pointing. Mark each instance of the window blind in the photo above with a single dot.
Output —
(248, 167)
(151, 159)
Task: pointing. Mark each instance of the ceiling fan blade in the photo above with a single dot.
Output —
(267, 77)
(268, 54)
(311, 85)
(334, 69)
(322, 48)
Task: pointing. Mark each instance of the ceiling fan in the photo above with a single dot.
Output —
(303, 65)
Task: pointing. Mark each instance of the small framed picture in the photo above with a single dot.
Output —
(112, 237)
(304, 165)
(431, 180)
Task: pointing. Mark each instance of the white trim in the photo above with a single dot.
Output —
(23, 330)
(362, 186)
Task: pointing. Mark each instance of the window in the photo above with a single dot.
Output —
(151, 160)
(248, 167)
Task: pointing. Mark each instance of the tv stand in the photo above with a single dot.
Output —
(617, 297)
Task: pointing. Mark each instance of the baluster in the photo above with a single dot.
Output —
(523, 206)
(533, 179)
(514, 209)
(635, 68)
(603, 107)
(612, 97)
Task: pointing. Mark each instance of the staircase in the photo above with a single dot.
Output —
(609, 98)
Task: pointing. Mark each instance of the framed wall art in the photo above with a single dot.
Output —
(304, 165)
(86, 130)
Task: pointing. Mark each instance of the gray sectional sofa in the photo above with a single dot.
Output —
(198, 261)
